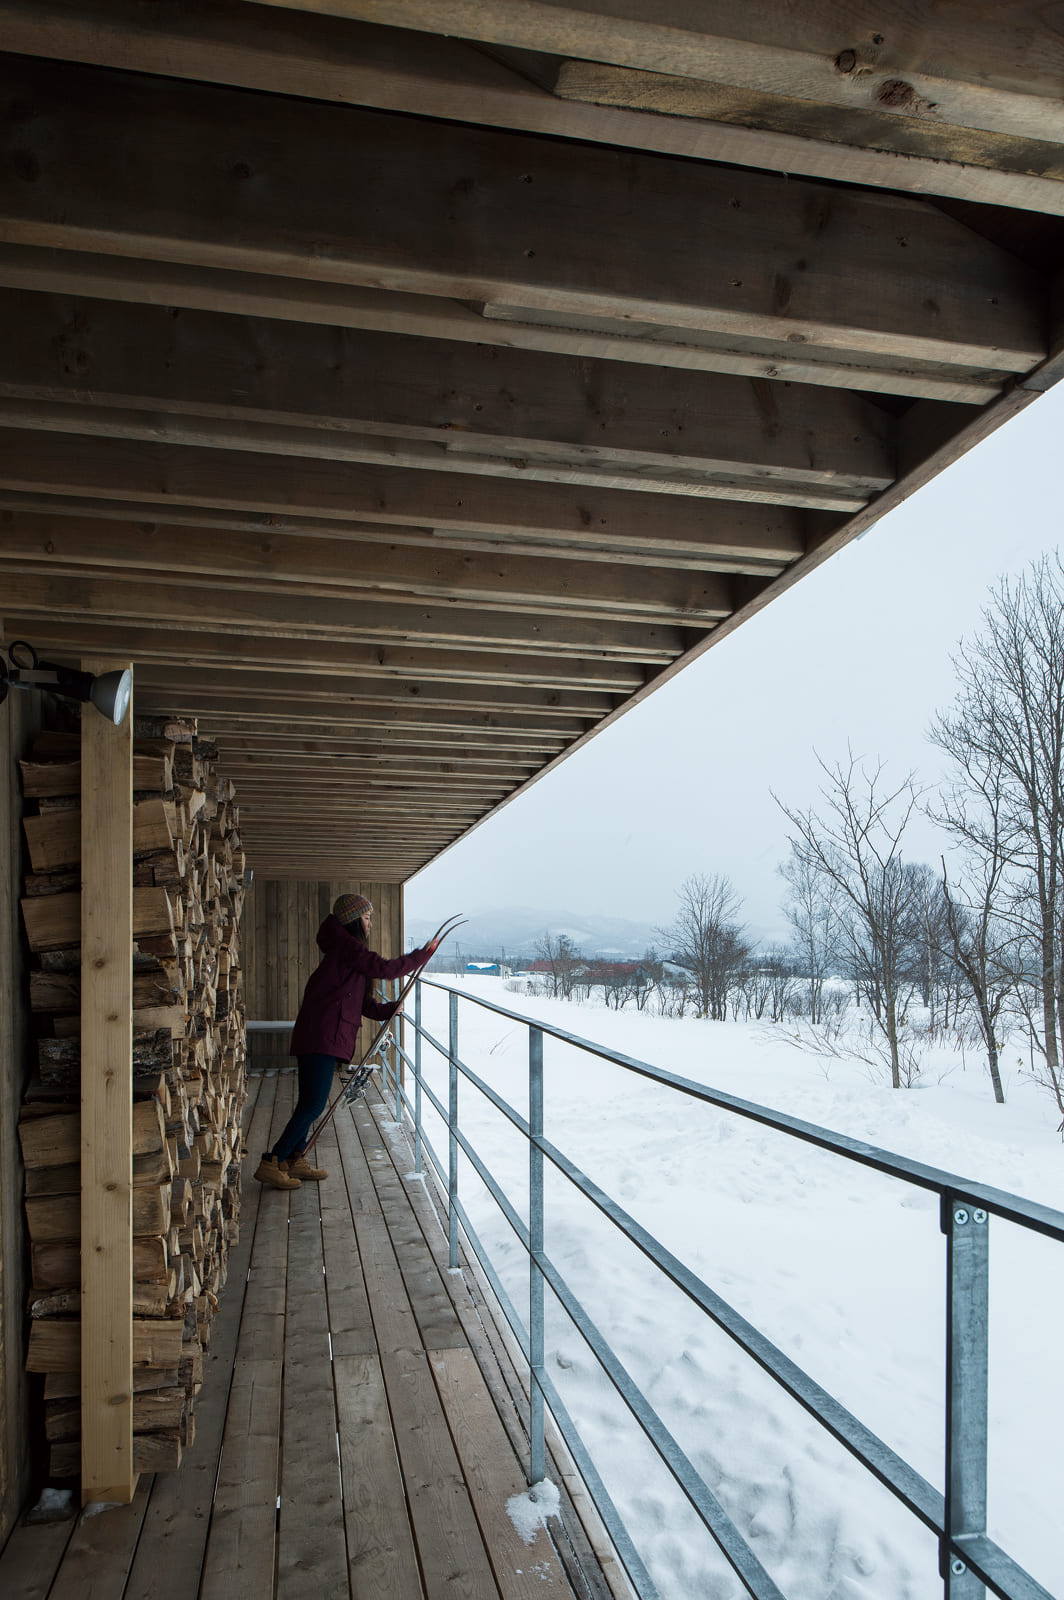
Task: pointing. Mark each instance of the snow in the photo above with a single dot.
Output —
(841, 1267)
(529, 1511)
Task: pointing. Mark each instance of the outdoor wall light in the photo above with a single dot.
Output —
(109, 692)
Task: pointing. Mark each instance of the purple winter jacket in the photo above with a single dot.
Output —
(334, 1001)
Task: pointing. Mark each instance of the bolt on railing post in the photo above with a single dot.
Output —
(967, 1231)
(417, 1076)
(452, 1132)
(537, 1469)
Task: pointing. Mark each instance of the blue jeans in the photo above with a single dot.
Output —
(315, 1081)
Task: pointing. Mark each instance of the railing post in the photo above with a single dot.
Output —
(967, 1231)
(397, 1060)
(537, 1469)
(417, 1076)
(452, 1132)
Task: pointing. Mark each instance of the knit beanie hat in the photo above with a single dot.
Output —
(349, 907)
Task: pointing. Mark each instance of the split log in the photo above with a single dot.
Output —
(53, 1218)
(55, 1344)
(54, 839)
(58, 1265)
(53, 921)
(43, 780)
(54, 1141)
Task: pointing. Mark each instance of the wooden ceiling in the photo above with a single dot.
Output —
(408, 403)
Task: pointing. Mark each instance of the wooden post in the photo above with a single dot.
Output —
(106, 1104)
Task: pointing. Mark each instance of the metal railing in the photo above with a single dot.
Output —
(970, 1561)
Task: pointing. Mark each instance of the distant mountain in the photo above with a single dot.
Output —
(516, 931)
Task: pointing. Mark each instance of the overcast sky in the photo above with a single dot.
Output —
(859, 651)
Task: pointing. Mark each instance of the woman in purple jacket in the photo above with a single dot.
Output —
(338, 995)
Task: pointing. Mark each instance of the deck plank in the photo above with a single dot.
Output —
(429, 1300)
(240, 1555)
(97, 1559)
(493, 1475)
(382, 1558)
(173, 1541)
(453, 1558)
(350, 1322)
(586, 1559)
(452, 1555)
(311, 1547)
(382, 1561)
(31, 1559)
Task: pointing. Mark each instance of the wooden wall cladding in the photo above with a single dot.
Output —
(20, 721)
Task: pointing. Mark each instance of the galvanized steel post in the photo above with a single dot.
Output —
(397, 1060)
(967, 1231)
(417, 1076)
(452, 1131)
(535, 1245)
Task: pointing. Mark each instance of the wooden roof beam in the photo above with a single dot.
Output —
(356, 555)
(410, 722)
(296, 614)
(576, 520)
(221, 654)
(497, 581)
(519, 460)
(224, 177)
(249, 765)
(967, 66)
(258, 689)
(304, 300)
(337, 392)
(293, 744)
(352, 62)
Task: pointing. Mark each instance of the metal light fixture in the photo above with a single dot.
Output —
(109, 692)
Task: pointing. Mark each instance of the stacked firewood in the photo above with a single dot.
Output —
(188, 1077)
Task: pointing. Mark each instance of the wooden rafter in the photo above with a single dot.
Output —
(868, 129)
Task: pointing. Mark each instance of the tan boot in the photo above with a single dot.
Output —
(272, 1172)
(300, 1167)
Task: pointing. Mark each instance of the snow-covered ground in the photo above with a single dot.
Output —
(840, 1267)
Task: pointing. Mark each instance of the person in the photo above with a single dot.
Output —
(339, 993)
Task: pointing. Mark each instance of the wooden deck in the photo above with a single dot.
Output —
(357, 1425)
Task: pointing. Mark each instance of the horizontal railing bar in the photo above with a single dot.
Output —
(500, 1104)
(921, 1497)
(600, 1496)
(603, 1503)
(1028, 1213)
(734, 1547)
(997, 1570)
(611, 1518)
(481, 1170)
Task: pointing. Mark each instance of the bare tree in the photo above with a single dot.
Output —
(1006, 734)
(769, 984)
(855, 843)
(563, 958)
(984, 951)
(707, 940)
(931, 948)
(814, 910)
